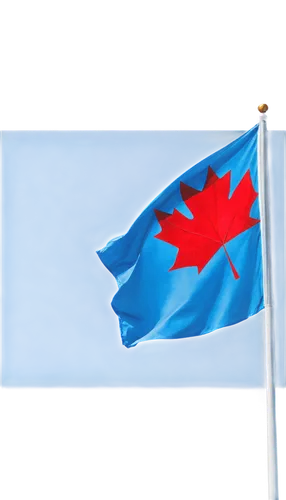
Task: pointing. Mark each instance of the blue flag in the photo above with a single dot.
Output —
(191, 263)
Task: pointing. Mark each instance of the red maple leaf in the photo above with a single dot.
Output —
(217, 219)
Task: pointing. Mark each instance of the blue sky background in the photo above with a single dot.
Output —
(65, 194)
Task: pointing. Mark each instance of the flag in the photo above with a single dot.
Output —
(191, 263)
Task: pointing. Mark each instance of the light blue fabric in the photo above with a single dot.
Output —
(155, 303)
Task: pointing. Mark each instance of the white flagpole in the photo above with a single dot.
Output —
(268, 320)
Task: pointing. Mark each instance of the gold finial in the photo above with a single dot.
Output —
(263, 107)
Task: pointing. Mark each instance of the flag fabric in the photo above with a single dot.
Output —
(191, 263)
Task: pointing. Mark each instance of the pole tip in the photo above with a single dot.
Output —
(263, 107)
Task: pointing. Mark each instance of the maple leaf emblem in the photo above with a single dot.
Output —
(217, 219)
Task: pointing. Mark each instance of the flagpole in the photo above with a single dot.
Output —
(268, 319)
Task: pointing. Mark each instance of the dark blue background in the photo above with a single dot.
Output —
(64, 195)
